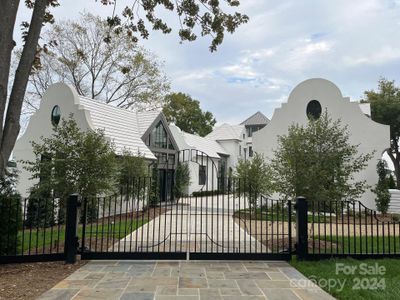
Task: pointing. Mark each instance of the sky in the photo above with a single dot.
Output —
(352, 43)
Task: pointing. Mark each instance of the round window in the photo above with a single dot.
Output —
(314, 109)
(55, 115)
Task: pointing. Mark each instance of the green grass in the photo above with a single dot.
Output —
(43, 238)
(277, 215)
(363, 244)
(326, 270)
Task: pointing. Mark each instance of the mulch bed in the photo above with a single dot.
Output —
(30, 280)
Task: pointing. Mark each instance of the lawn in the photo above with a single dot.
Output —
(355, 244)
(370, 279)
(37, 240)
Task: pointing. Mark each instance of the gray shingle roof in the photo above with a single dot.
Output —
(257, 119)
(124, 127)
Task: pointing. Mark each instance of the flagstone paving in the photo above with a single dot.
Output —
(186, 280)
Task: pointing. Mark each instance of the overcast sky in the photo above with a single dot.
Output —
(352, 43)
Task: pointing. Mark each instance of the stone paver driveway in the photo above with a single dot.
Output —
(197, 280)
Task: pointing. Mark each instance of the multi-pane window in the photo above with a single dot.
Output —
(159, 136)
(202, 175)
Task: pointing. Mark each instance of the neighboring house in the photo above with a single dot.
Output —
(253, 124)
(141, 133)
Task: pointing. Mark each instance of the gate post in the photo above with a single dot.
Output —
(71, 226)
(301, 228)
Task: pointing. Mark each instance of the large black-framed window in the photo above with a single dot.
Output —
(250, 151)
(202, 175)
(159, 136)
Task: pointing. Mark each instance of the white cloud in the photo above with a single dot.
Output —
(352, 43)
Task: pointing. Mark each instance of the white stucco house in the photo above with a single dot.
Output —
(149, 135)
(142, 133)
(320, 95)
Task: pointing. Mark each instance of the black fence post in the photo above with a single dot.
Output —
(301, 228)
(71, 226)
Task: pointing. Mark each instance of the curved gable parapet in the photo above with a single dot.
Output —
(372, 137)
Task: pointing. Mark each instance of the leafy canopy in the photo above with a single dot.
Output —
(382, 187)
(385, 109)
(204, 17)
(318, 161)
(186, 113)
(253, 177)
(120, 73)
(73, 161)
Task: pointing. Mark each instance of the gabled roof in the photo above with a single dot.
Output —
(123, 127)
(190, 141)
(257, 119)
(226, 132)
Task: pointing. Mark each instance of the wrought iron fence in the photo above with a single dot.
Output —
(227, 223)
(348, 228)
(31, 229)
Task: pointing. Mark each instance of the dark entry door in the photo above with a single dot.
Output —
(166, 178)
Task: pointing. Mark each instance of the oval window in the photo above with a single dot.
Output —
(314, 109)
(55, 115)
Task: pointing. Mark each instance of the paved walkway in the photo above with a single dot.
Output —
(203, 224)
(181, 280)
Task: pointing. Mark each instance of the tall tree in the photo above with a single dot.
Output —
(207, 16)
(319, 162)
(120, 73)
(186, 113)
(385, 109)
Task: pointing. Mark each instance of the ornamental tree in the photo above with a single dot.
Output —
(318, 161)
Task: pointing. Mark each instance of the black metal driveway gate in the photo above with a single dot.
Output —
(215, 217)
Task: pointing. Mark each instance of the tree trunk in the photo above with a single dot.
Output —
(11, 128)
(7, 21)
(396, 163)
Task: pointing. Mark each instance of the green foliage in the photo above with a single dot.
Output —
(207, 193)
(382, 188)
(72, 161)
(186, 113)
(131, 168)
(385, 109)
(182, 180)
(10, 214)
(253, 178)
(154, 194)
(207, 17)
(318, 162)
(41, 210)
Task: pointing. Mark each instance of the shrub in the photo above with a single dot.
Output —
(381, 189)
(182, 180)
(10, 215)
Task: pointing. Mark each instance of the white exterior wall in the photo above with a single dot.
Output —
(212, 174)
(369, 135)
(232, 148)
(40, 125)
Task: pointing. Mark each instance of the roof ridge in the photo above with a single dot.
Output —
(117, 107)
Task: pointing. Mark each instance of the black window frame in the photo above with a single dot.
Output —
(202, 175)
